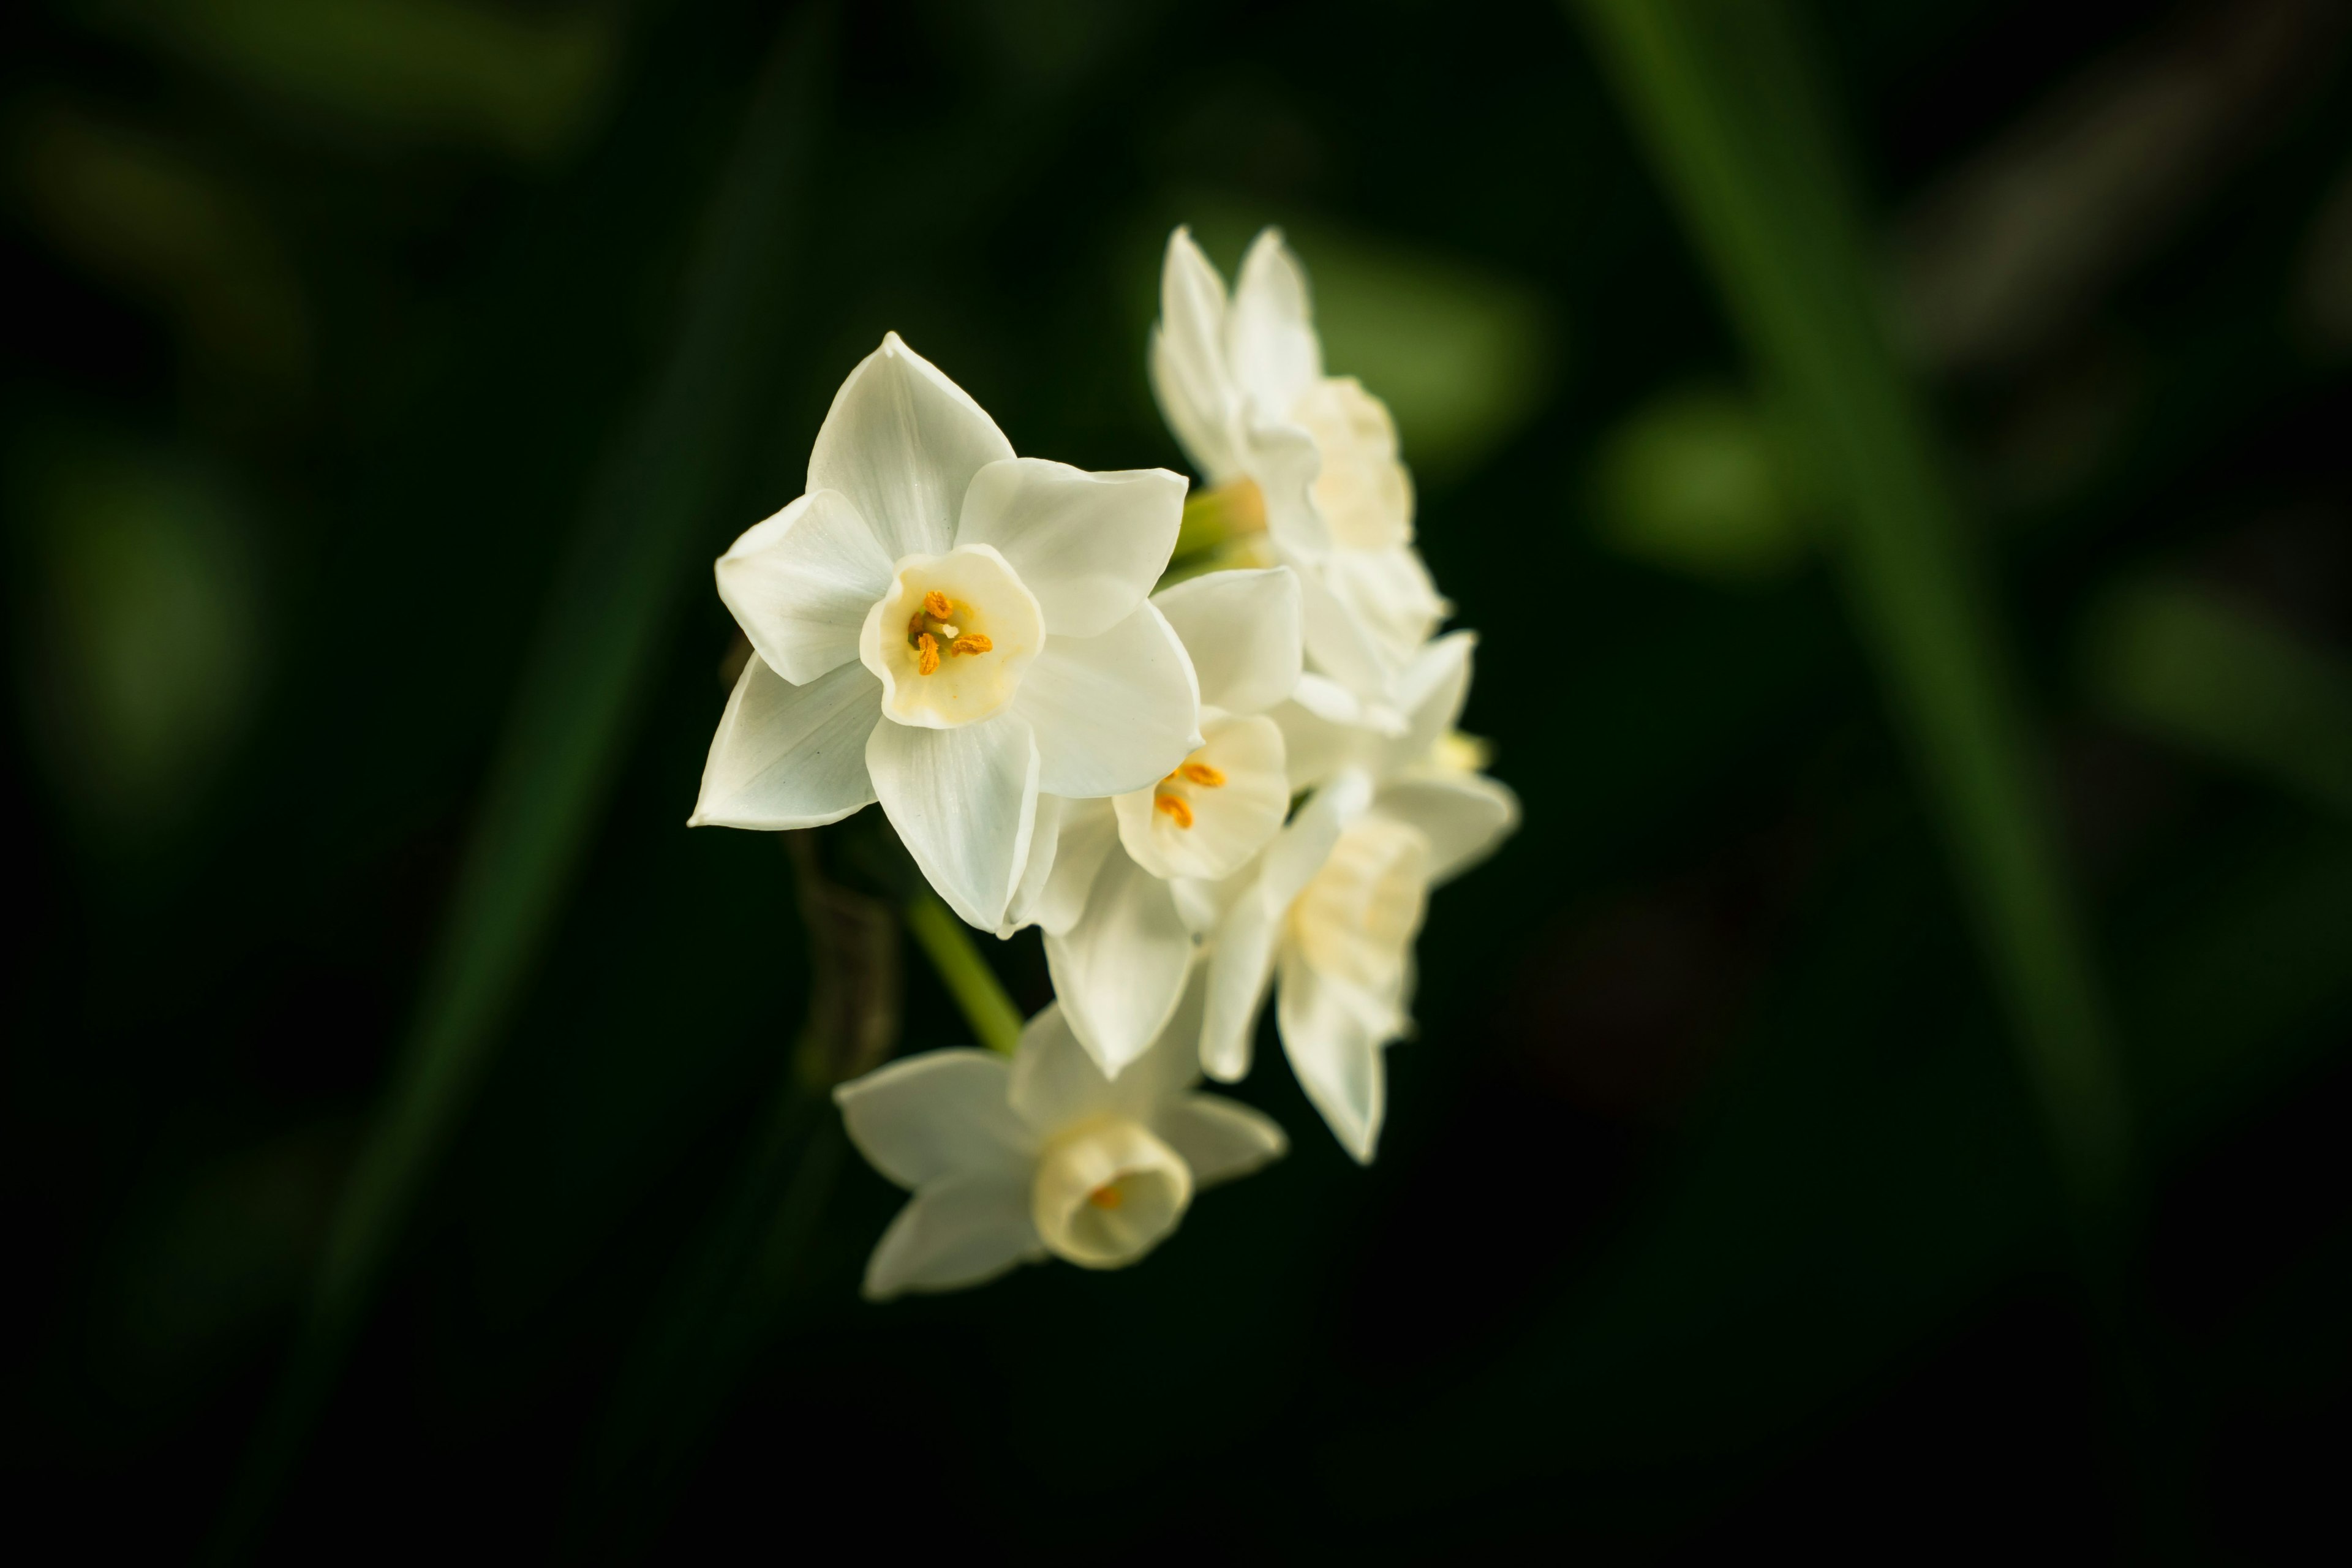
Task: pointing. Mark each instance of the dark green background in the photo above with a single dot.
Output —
(1711, 1212)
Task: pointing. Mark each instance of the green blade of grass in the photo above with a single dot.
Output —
(648, 518)
(1725, 101)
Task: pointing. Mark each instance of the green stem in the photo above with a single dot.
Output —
(945, 941)
(1728, 107)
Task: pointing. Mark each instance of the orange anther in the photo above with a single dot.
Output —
(1177, 811)
(936, 604)
(1105, 1197)
(1202, 774)
(974, 642)
(927, 654)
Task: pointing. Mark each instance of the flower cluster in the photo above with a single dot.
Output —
(1242, 784)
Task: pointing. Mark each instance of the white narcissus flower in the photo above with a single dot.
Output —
(952, 629)
(1241, 383)
(1332, 908)
(1010, 1161)
(1125, 896)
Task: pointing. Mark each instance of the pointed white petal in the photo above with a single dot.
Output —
(1188, 360)
(1055, 1083)
(1089, 546)
(1270, 340)
(1314, 744)
(1342, 645)
(1462, 815)
(801, 582)
(1388, 593)
(1221, 1139)
(1242, 630)
(1088, 832)
(1364, 494)
(1037, 873)
(1240, 967)
(1431, 692)
(903, 442)
(1119, 971)
(790, 756)
(965, 1230)
(1335, 1056)
(937, 1114)
(964, 802)
(1113, 712)
(1283, 459)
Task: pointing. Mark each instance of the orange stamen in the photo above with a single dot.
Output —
(927, 654)
(971, 642)
(1178, 811)
(936, 604)
(1105, 1197)
(1203, 775)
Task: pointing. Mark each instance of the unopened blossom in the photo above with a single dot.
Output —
(1241, 383)
(952, 629)
(1329, 916)
(1011, 1163)
(1128, 891)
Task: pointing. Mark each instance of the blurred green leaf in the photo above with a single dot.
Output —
(648, 513)
(2183, 663)
(523, 83)
(1732, 115)
(1699, 479)
(145, 627)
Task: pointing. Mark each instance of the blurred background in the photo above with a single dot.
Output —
(381, 378)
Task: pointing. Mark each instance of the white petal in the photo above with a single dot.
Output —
(1270, 340)
(1242, 630)
(1113, 712)
(1119, 971)
(1462, 815)
(1056, 1084)
(1431, 692)
(1241, 963)
(800, 583)
(903, 442)
(1089, 831)
(1283, 459)
(965, 1230)
(1342, 645)
(790, 756)
(1335, 1056)
(1313, 745)
(1221, 1139)
(1240, 967)
(1089, 546)
(937, 1114)
(1037, 873)
(964, 802)
(1188, 360)
(1390, 595)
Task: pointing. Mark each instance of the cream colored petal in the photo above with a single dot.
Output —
(1462, 815)
(1270, 343)
(1196, 394)
(964, 802)
(941, 1113)
(1363, 492)
(1221, 1139)
(1037, 873)
(1240, 967)
(1242, 630)
(1089, 546)
(959, 1232)
(903, 442)
(790, 756)
(1056, 1084)
(1112, 712)
(1431, 692)
(1282, 461)
(1335, 1056)
(1388, 593)
(1089, 833)
(1119, 970)
(800, 583)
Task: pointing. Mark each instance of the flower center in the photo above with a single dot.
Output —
(951, 638)
(933, 627)
(1171, 797)
(1106, 1191)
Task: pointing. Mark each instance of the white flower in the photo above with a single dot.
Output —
(1010, 1161)
(1242, 386)
(1121, 896)
(952, 629)
(1335, 902)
